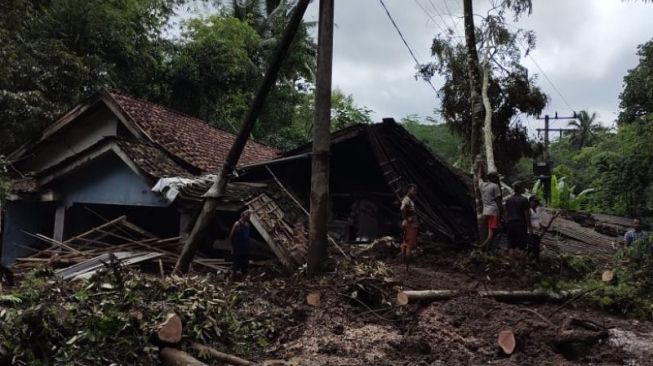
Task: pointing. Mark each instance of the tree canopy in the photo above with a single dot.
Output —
(512, 91)
(637, 96)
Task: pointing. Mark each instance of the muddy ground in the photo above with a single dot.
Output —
(461, 331)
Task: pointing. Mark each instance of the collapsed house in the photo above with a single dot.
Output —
(99, 162)
(120, 161)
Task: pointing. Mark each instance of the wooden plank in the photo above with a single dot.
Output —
(279, 252)
(107, 224)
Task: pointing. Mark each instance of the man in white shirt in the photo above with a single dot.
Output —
(492, 202)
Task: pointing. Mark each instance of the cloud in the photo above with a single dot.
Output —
(584, 47)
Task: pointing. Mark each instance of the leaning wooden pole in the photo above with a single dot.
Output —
(474, 76)
(217, 189)
(318, 240)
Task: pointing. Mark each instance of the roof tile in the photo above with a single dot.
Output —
(189, 138)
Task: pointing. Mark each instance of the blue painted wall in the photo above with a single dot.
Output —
(32, 217)
(108, 180)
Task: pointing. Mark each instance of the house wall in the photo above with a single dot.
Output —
(31, 217)
(86, 132)
(108, 180)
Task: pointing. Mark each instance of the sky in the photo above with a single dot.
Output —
(584, 49)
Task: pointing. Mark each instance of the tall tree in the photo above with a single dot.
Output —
(510, 90)
(585, 130)
(55, 53)
(637, 96)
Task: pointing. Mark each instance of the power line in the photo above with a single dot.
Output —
(410, 50)
(430, 16)
(551, 82)
(555, 88)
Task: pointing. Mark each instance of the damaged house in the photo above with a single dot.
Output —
(100, 160)
(119, 157)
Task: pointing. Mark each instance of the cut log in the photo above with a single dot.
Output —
(313, 299)
(404, 297)
(220, 356)
(506, 341)
(174, 357)
(607, 276)
(170, 330)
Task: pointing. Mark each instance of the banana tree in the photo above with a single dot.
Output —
(562, 194)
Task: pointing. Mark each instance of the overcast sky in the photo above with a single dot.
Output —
(584, 47)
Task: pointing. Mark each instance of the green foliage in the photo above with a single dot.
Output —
(631, 290)
(636, 98)
(586, 130)
(344, 113)
(562, 194)
(437, 136)
(622, 172)
(50, 322)
(55, 53)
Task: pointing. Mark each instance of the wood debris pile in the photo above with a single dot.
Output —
(118, 239)
(585, 234)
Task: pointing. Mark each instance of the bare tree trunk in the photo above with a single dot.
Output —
(475, 101)
(210, 204)
(487, 126)
(318, 240)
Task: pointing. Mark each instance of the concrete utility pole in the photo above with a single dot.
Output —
(543, 169)
(210, 204)
(547, 129)
(319, 215)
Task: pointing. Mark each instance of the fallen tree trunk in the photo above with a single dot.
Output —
(580, 336)
(174, 357)
(404, 297)
(217, 355)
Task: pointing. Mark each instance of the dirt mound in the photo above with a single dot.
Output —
(464, 331)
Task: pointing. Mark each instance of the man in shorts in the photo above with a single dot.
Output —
(492, 203)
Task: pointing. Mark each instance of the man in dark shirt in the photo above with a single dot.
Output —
(518, 221)
(239, 237)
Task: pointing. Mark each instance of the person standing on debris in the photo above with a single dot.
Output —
(518, 220)
(409, 222)
(239, 237)
(492, 202)
(636, 233)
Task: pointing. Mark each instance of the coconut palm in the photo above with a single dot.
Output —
(585, 130)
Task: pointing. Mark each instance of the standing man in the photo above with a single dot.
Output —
(239, 237)
(518, 220)
(409, 221)
(636, 233)
(492, 204)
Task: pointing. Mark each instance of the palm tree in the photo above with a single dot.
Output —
(585, 130)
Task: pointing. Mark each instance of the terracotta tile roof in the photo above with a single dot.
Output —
(189, 138)
(151, 160)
